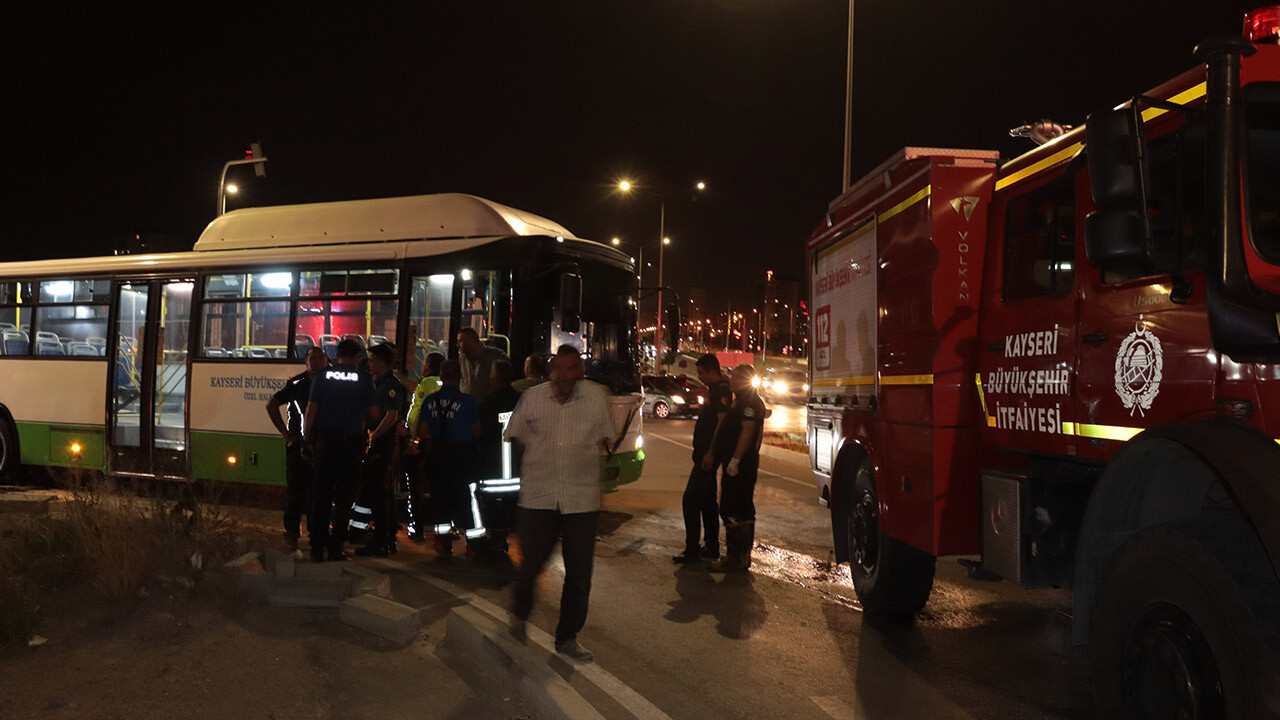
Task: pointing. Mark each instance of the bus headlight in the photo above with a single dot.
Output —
(639, 441)
(805, 387)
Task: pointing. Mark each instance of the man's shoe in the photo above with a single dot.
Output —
(688, 556)
(373, 550)
(336, 554)
(519, 630)
(732, 562)
(575, 652)
(709, 553)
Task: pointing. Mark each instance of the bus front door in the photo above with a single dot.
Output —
(148, 381)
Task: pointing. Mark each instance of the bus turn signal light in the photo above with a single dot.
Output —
(231, 459)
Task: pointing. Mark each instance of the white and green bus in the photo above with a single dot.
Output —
(160, 365)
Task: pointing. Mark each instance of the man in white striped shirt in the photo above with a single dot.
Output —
(563, 427)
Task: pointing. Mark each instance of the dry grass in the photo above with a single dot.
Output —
(117, 546)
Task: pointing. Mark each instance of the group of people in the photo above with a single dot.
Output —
(345, 418)
(726, 438)
(355, 426)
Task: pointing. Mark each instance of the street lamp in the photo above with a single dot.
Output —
(626, 186)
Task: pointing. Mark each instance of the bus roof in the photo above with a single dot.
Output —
(416, 217)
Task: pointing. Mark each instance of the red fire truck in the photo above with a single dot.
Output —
(1069, 364)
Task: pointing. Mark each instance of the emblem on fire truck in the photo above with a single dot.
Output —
(1139, 366)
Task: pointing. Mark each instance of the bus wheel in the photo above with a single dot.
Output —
(661, 410)
(9, 454)
(892, 579)
(1176, 630)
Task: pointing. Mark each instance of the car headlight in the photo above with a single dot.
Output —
(677, 399)
(805, 387)
(780, 386)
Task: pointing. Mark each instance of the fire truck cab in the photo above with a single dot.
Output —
(1068, 364)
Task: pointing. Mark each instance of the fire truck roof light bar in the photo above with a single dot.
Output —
(1263, 25)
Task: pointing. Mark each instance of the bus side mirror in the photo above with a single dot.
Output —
(671, 327)
(1118, 231)
(570, 302)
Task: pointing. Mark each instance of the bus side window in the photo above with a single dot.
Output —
(1039, 243)
(16, 299)
(337, 305)
(430, 305)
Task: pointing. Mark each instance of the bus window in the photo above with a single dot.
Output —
(430, 305)
(248, 330)
(15, 319)
(338, 305)
(486, 306)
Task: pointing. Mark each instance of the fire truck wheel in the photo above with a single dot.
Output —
(1184, 618)
(892, 579)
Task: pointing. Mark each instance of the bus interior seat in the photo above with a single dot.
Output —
(330, 345)
(81, 349)
(239, 353)
(377, 340)
(215, 352)
(8, 327)
(302, 344)
(279, 353)
(15, 343)
(259, 352)
(43, 335)
(45, 346)
(99, 344)
(358, 338)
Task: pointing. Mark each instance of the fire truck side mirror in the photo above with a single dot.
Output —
(1118, 232)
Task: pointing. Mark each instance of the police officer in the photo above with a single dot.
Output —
(450, 421)
(297, 468)
(739, 449)
(699, 502)
(381, 455)
(342, 397)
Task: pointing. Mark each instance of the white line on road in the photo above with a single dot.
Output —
(801, 483)
(634, 702)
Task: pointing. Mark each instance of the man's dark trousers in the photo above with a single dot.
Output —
(337, 475)
(538, 530)
(701, 515)
(297, 489)
(379, 490)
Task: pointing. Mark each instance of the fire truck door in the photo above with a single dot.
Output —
(1144, 359)
(1030, 317)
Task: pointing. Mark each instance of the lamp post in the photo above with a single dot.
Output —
(626, 186)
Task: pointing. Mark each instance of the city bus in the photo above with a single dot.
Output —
(159, 366)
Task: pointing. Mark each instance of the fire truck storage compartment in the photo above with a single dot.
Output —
(894, 291)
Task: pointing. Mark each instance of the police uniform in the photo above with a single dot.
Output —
(297, 469)
(699, 501)
(451, 459)
(388, 397)
(344, 394)
(737, 504)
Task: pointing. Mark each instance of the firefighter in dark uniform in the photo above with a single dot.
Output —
(342, 396)
(381, 457)
(297, 462)
(699, 502)
(739, 450)
(450, 422)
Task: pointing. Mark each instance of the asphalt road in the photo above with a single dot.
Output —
(787, 639)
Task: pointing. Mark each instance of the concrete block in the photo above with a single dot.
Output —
(280, 564)
(519, 668)
(382, 617)
(24, 503)
(318, 570)
(246, 563)
(376, 584)
(307, 592)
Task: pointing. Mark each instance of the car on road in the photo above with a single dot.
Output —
(785, 385)
(666, 396)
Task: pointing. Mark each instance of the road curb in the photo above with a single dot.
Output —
(518, 668)
(778, 453)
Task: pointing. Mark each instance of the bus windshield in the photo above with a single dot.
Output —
(1263, 166)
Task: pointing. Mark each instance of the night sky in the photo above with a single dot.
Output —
(120, 120)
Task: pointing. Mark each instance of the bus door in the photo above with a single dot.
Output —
(148, 378)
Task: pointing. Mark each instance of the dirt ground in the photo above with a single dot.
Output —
(261, 662)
